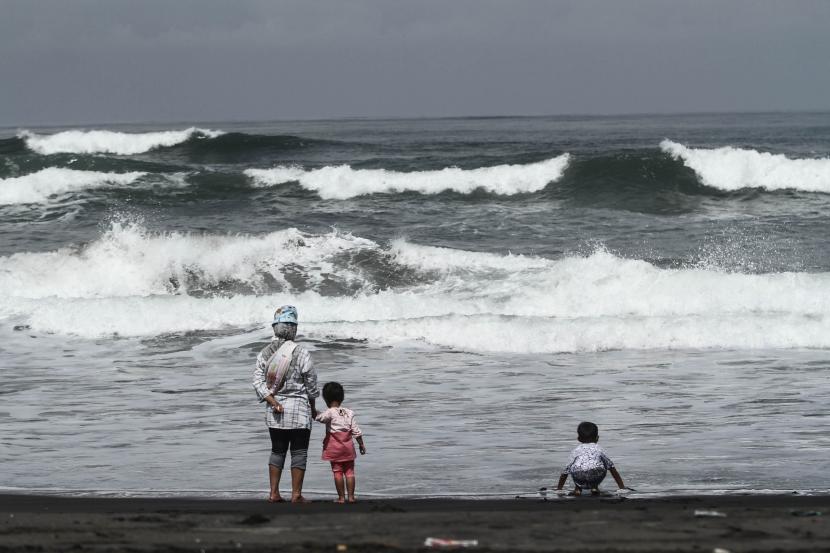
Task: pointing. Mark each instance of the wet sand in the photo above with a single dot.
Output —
(751, 523)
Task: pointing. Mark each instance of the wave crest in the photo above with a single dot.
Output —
(38, 187)
(343, 182)
(109, 142)
(731, 168)
(137, 283)
(128, 260)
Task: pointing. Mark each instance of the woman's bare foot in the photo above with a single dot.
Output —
(339, 500)
(352, 499)
(275, 498)
(300, 499)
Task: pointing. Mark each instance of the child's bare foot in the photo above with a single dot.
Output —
(275, 498)
(353, 499)
(576, 492)
(594, 491)
(339, 500)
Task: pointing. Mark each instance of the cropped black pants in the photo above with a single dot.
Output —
(295, 439)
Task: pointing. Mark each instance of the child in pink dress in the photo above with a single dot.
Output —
(338, 448)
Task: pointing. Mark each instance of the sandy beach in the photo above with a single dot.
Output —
(743, 523)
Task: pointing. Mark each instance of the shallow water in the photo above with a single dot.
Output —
(168, 417)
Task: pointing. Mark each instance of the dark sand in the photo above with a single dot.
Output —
(752, 523)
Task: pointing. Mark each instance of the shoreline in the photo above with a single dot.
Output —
(735, 523)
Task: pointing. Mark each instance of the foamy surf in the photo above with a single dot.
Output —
(109, 142)
(392, 323)
(127, 260)
(734, 168)
(132, 282)
(343, 182)
(40, 186)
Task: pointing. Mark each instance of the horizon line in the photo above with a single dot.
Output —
(346, 118)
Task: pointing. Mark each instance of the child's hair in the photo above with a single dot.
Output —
(333, 391)
(587, 432)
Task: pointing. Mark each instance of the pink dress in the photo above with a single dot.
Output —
(341, 428)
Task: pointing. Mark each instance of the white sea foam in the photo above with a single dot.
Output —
(121, 284)
(431, 258)
(38, 187)
(733, 168)
(342, 182)
(109, 142)
(130, 261)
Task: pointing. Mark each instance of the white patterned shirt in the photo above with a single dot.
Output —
(587, 457)
(297, 392)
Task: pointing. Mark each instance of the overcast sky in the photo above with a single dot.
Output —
(85, 61)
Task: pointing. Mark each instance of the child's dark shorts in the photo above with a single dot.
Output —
(588, 478)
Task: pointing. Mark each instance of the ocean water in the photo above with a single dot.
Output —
(479, 287)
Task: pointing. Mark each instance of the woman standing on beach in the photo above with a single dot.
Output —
(285, 379)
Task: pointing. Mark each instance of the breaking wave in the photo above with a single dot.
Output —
(734, 168)
(38, 187)
(132, 282)
(110, 142)
(342, 182)
(130, 261)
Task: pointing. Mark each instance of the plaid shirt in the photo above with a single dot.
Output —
(296, 394)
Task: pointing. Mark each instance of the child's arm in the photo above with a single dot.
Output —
(358, 435)
(566, 471)
(617, 478)
(325, 416)
(607, 463)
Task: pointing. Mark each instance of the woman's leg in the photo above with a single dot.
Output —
(297, 477)
(274, 475)
(279, 447)
(299, 458)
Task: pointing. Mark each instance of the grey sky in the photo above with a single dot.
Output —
(84, 61)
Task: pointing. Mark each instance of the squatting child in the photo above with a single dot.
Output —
(588, 463)
(338, 448)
